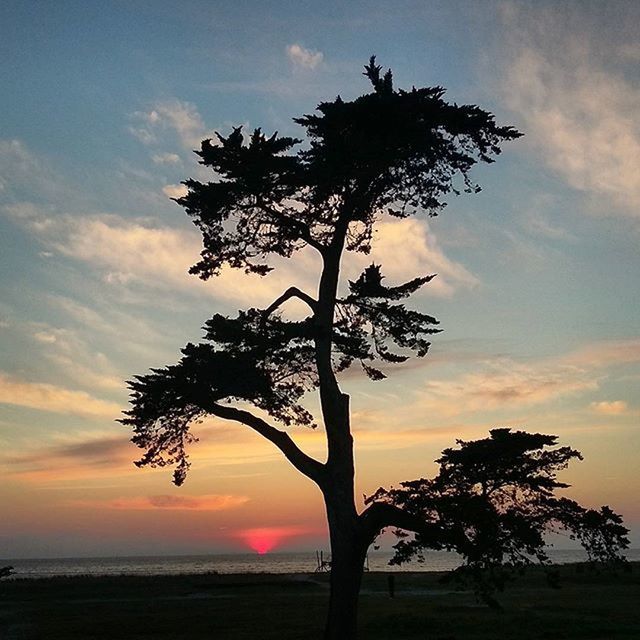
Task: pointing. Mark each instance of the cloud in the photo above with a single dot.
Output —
(181, 117)
(143, 135)
(606, 353)
(48, 397)
(75, 359)
(93, 450)
(304, 58)
(23, 173)
(538, 225)
(174, 190)
(368, 439)
(408, 248)
(131, 332)
(45, 337)
(505, 383)
(130, 252)
(169, 503)
(166, 158)
(610, 408)
(83, 455)
(578, 111)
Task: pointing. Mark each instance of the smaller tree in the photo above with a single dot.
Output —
(496, 499)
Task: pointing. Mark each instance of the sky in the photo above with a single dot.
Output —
(537, 288)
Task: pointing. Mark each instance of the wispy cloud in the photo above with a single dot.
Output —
(73, 359)
(168, 503)
(407, 248)
(69, 456)
(23, 173)
(610, 407)
(537, 224)
(505, 384)
(174, 190)
(606, 353)
(134, 252)
(146, 136)
(578, 111)
(179, 116)
(49, 397)
(304, 58)
(166, 158)
(502, 383)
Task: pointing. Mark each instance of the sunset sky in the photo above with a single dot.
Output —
(537, 290)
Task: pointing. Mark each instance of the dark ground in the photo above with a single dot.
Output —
(588, 606)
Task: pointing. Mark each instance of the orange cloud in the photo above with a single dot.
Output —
(170, 503)
(606, 353)
(83, 458)
(407, 248)
(613, 408)
(507, 383)
(49, 397)
(141, 251)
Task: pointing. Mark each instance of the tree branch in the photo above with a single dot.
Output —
(304, 463)
(301, 228)
(379, 515)
(305, 233)
(291, 292)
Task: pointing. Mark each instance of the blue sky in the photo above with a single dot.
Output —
(537, 290)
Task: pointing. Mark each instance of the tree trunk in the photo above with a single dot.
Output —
(347, 562)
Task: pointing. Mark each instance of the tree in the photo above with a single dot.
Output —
(496, 498)
(389, 152)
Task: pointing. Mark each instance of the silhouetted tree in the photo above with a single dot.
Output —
(496, 499)
(390, 152)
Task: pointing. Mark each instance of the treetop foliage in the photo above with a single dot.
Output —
(391, 151)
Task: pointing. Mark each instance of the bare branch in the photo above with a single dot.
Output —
(304, 463)
(291, 292)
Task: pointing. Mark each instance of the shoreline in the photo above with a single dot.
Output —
(632, 566)
(283, 563)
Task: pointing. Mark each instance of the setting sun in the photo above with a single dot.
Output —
(265, 539)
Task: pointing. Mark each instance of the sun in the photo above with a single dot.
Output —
(265, 539)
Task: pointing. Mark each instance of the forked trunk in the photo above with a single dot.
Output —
(347, 562)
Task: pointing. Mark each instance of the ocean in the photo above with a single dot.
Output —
(238, 563)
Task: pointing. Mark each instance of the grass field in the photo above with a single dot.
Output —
(588, 606)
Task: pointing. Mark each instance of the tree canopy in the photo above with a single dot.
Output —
(390, 152)
(496, 498)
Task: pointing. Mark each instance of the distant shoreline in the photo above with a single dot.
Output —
(311, 554)
(264, 577)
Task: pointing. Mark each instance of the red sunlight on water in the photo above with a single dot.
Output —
(266, 539)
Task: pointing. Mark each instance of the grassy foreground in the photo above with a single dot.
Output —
(588, 606)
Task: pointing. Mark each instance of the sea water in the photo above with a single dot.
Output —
(239, 563)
